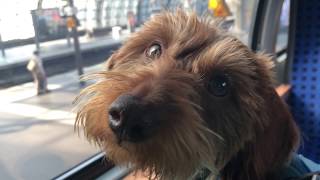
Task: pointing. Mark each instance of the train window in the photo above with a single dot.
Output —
(37, 130)
(282, 42)
(282, 36)
(242, 18)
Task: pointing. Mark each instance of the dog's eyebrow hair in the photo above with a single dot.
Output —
(195, 49)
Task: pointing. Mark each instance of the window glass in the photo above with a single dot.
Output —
(37, 126)
(282, 42)
(242, 17)
(282, 36)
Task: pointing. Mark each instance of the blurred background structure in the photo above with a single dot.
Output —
(73, 37)
(50, 27)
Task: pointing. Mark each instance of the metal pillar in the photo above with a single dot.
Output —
(74, 33)
(36, 31)
(2, 47)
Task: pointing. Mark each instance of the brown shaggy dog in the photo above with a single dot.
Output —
(181, 96)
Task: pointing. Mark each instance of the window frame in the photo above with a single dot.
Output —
(91, 168)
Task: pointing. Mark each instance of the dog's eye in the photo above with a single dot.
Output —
(154, 51)
(219, 85)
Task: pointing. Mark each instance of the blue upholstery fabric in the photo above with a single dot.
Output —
(305, 78)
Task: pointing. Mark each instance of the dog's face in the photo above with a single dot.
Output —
(179, 95)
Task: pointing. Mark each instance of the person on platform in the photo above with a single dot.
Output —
(35, 66)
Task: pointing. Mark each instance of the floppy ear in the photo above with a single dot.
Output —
(274, 141)
(274, 146)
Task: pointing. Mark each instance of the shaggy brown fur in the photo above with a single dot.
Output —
(247, 133)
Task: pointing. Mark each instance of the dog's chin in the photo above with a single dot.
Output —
(157, 160)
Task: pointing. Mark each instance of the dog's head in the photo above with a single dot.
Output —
(181, 95)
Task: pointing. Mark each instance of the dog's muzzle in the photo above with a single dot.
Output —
(131, 119)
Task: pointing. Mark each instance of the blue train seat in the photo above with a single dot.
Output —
(304, 98)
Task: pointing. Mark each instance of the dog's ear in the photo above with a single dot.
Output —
(277, 135)
(278, 140)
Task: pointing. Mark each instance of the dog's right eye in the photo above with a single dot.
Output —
(154, 51)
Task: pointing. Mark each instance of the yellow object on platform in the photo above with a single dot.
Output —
(213, 4)
(219, 8)
(71, 22)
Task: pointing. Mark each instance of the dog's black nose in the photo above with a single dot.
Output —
(129, 118)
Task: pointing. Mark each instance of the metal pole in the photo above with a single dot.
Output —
(68, 38)
(77, 51)
(36, 31)
(2, 47)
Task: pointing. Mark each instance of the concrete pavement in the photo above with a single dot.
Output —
(57, 57)
(36, 132)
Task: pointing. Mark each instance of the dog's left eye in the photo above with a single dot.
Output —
(219, 85)
(154, 51)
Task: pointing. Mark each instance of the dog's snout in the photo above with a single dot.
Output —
(115, 117)
(120, 109)
(129, 119)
